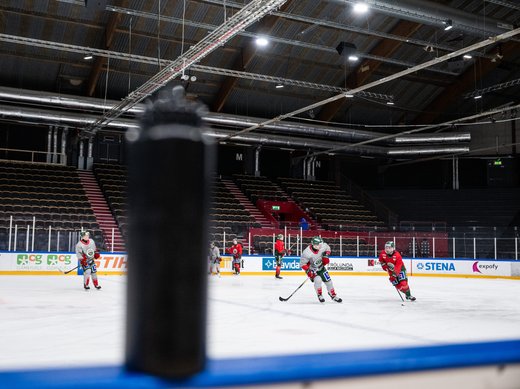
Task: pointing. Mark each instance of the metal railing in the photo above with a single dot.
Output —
(26, 236)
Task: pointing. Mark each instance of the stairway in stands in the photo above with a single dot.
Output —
(247, 204)
(103, 215)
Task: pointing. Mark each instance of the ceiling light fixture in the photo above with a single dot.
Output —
(349, 95)
(279, 86)
(262, 42)
(360, 8)
(353, 58)
(477, 97)
(88, 57)
(467, 56)
(389, 103)
(448, 25)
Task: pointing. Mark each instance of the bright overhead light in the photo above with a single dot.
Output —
(477, 97)
(88, 57)
(360, 8)
(349, 95)
(279, 86)
(390, 103)
(448, 25)
(353, 58)
(467, 56)
(262, 42)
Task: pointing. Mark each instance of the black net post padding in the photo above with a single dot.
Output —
(169, 187)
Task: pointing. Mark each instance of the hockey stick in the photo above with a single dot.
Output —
(285, 299)
(402, 299)
(68, 271)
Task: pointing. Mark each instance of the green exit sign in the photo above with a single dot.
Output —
(275, 207)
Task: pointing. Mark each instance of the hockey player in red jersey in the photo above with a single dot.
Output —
(236, 252)
(86, 252)
(279, 252)
(392, 262)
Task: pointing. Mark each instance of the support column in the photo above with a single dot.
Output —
(49, 143)
(63, 157)
(90, 159)
(54, 158)
(81, 157)
(455, 171)
(257, 161)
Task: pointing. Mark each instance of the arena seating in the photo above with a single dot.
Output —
(227, 215)
(259, 187)
(52, 196)
(332, 208)
(464, 207)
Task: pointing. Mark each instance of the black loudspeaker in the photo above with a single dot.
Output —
(98, 5)
(346, 48)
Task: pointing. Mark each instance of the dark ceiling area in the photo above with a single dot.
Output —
(296, 74)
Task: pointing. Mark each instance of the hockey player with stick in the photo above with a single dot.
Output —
(279, 252)
(214, 259)
(392, 262)
(236, 252)
(313, 261)
(86, 252)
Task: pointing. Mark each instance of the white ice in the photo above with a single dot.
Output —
(50, 321)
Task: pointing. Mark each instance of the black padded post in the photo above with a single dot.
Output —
(169, 187)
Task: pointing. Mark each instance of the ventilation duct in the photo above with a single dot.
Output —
(433, 13)
(90, 104)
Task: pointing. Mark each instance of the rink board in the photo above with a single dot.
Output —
(17, 263)
(478, 365)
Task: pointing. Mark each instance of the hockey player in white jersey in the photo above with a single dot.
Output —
(313, 261)
(86, 252)
(214, 259)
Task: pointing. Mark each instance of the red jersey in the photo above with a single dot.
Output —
(395, 259)
(235, 250)
(279, 248)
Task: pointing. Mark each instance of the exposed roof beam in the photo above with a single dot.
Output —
(100, 62)
(468, 49)
(368, 67)
(466, 81)
(248, 15)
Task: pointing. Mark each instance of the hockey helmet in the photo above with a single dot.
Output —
(316, 241)
(84, 234)
(279, 237)
(390, 246)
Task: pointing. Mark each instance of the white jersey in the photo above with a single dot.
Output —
(313, 258)
(214, 254)
(87, 249)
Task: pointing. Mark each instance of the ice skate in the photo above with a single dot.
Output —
(98, 287)
(411, 298)
(335, 298)
(321, 298)
(278, 276)
(86, 286)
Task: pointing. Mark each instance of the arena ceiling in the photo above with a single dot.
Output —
(101, 52)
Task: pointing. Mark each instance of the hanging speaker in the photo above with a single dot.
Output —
(98, 5)
(346, 48)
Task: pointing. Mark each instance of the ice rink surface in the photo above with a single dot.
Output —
(50, 321)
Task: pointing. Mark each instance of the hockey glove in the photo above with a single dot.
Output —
(311, 274)
(96, 255)
(84, 261)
